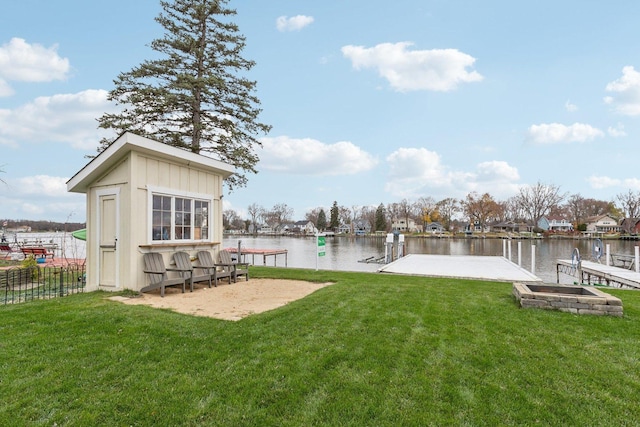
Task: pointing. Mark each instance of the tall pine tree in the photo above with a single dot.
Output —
(193, 96)
(334, 221)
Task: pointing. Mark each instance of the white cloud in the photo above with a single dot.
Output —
(21, 61)
(617, 131)
(415, 172)
(553, 133)
(600, 182)
(308, 156)
(626, 89)
(633, 183)
(64, 118)
(435, 69)
(570, 107)
(40, 197)
(294, 23)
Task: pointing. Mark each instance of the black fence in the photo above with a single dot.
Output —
(22, 284)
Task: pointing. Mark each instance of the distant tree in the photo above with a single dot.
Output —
(368, 214)
(255, 211)
(448, 208)
(278, 215)
(380, 219)
(344, 214)
(480, 209)
(630, 203)
(312, 215)
(193, 95)
(321, 224)
(537, 200)
(426, 211)
(334, 217)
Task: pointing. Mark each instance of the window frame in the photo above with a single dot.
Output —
(173, 194)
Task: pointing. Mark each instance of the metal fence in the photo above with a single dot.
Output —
(22, 284)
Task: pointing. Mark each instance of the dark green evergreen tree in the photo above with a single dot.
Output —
(381, 220)
(322, 220)
(334, 217)
(193, 95)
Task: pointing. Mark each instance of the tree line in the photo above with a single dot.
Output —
(528, 206)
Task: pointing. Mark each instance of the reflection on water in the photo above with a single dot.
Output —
(343, 253)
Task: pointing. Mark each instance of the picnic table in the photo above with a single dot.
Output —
(37, 252)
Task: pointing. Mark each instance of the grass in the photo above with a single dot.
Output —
(370, 350)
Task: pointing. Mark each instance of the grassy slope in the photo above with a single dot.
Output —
(370, 350)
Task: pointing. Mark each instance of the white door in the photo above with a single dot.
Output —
(108, 224)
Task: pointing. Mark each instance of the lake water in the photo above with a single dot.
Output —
(343, 253)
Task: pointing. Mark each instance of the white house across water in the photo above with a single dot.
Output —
(145, 196)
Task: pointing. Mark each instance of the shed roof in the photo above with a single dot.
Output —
(127, 142)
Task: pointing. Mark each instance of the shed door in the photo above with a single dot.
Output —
(108, 222)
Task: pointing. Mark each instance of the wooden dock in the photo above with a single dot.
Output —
(595, 273)
(245, 252)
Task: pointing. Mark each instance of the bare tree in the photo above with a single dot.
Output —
(537, 200)
(447, 209)
(255, 211)
(312, 215)
(231, 220)
(344, 214)
(630, 203)
(279, 214)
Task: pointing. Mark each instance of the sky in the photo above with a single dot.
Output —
(369, 101)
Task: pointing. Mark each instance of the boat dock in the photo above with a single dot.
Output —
(245, 252)
(595, 273)
(494, 268)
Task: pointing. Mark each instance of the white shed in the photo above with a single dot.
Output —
(145, 196)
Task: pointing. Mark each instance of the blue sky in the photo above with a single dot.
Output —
(370, 101)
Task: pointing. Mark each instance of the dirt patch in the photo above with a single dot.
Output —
(228, 302)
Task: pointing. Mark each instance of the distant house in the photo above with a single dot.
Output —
(548, 223)
(405, 225)
(434, 227)
(602, 224)
(476, 227)
(630, 225)
(510, 227)
(361, 227)
(344, 229)
(305, 227)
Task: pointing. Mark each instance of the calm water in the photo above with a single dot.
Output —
(343, 253)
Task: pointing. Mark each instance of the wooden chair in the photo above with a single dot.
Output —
(186, 270)
(157, 274)
(205, 262)
(239, 268)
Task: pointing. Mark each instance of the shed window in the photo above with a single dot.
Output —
(176, 218)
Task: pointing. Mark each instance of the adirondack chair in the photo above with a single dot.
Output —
(205, 262)
(239, 268)
(157, 274)
(186, 270)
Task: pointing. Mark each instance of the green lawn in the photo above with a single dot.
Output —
(370, 350)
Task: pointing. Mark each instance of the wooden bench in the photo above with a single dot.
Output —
(37, 252)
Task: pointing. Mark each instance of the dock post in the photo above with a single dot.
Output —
(637, 255)
(504, 248)
(608, 253)
(519, 254)
(388, 249)
(509, 249)
(533, 261)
